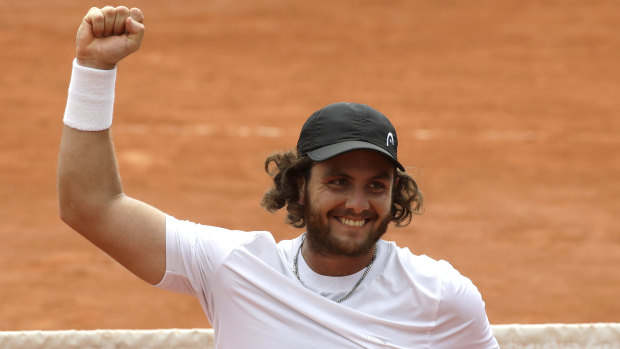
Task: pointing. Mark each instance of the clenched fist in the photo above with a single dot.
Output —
(107, 35)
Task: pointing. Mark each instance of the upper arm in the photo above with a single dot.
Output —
(131, 232)
(136, 238)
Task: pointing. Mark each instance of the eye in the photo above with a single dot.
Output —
(338, 182)
(377, 186)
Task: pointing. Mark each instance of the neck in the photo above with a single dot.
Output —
(333, 264)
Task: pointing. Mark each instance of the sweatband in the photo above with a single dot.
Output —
(90, 102)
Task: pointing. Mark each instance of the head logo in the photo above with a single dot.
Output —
(390, 139)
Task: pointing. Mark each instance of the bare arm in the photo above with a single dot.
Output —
(91, 198)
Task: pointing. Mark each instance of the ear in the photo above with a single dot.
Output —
(301, 186)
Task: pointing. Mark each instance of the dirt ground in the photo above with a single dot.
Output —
(508, 115)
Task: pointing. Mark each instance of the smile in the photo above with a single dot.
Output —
(351, 222)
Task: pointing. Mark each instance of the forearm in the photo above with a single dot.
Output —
(88, 177)
(87, 173)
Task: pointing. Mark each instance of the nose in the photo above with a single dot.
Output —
(357, 201)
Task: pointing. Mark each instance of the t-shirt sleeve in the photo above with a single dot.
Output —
(461, 316)
(194, 252)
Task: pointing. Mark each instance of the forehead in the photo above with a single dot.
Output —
(356, 163)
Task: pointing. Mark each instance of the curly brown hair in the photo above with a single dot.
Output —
(287, 169)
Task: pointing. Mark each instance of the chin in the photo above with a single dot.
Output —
(350, 244)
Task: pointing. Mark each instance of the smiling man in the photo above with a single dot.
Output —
(337, 285)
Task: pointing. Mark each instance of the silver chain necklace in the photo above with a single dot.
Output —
(296, 271)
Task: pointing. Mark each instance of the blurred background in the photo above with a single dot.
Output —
(508, 116)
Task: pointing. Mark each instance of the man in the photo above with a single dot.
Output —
(338, 285)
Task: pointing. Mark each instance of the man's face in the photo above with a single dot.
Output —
(347, 202)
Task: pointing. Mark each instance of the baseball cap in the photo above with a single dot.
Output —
(342, 127)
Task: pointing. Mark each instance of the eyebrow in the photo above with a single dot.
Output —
(382, 176)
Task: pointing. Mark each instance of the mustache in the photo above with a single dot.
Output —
(340, 212)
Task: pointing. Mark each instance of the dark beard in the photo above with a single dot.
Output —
(323, 242)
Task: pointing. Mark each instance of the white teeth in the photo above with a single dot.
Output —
(351, 222)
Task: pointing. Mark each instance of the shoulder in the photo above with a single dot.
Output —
(440, 271)
(211, 241)
(420, 266)
(178, 226)
(460, 318)
(455, 292)
(416, 276)
(459, 295)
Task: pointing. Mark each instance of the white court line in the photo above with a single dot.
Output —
(482, 135)
(201, 130)
(518, 136)
(489, 135)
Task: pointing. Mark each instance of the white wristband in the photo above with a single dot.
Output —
(91, 98)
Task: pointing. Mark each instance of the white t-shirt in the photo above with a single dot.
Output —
(245, 284)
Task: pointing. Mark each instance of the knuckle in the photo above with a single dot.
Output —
(108, 11)
(136, 14)
(94, 12)
(122, 10)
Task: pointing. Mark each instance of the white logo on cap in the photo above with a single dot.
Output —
(390, 139)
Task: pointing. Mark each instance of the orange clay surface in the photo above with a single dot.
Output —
(508, 115)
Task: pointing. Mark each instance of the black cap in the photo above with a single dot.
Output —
(342, 127)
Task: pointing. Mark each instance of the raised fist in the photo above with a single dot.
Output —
(107, 35)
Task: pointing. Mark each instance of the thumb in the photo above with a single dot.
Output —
(133, 27)
(136, 15)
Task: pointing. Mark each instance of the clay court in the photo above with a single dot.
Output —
(508, 115)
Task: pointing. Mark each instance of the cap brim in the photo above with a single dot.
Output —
(329, 151)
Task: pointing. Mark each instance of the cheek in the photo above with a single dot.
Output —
(383, 205)
(326, 202)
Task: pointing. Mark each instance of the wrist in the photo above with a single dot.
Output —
(90, 100)
(94, 64)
